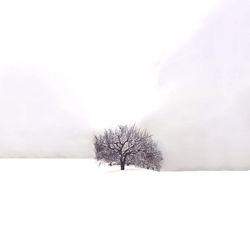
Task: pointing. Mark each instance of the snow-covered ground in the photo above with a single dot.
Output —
(76, 204)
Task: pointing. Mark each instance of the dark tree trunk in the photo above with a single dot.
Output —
(122, 164)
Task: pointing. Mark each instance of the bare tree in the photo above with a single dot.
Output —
(128, 145)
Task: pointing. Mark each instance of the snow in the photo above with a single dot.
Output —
(76, 204)
(203, 121)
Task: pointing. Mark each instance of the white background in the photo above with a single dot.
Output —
(92, 54)
(74, 204)
(67, 67)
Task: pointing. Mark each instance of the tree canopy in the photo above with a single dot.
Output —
(128, 145)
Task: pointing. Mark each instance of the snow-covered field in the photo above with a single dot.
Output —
(76, 204)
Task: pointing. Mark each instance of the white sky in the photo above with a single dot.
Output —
(99, 57)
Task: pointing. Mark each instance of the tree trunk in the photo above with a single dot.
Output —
(122, 165)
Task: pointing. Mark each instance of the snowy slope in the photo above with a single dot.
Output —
(75, 204)
(203, 122)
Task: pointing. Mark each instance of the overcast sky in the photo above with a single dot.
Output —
(86, 64)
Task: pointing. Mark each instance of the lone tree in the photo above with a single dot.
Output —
(128, 145)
